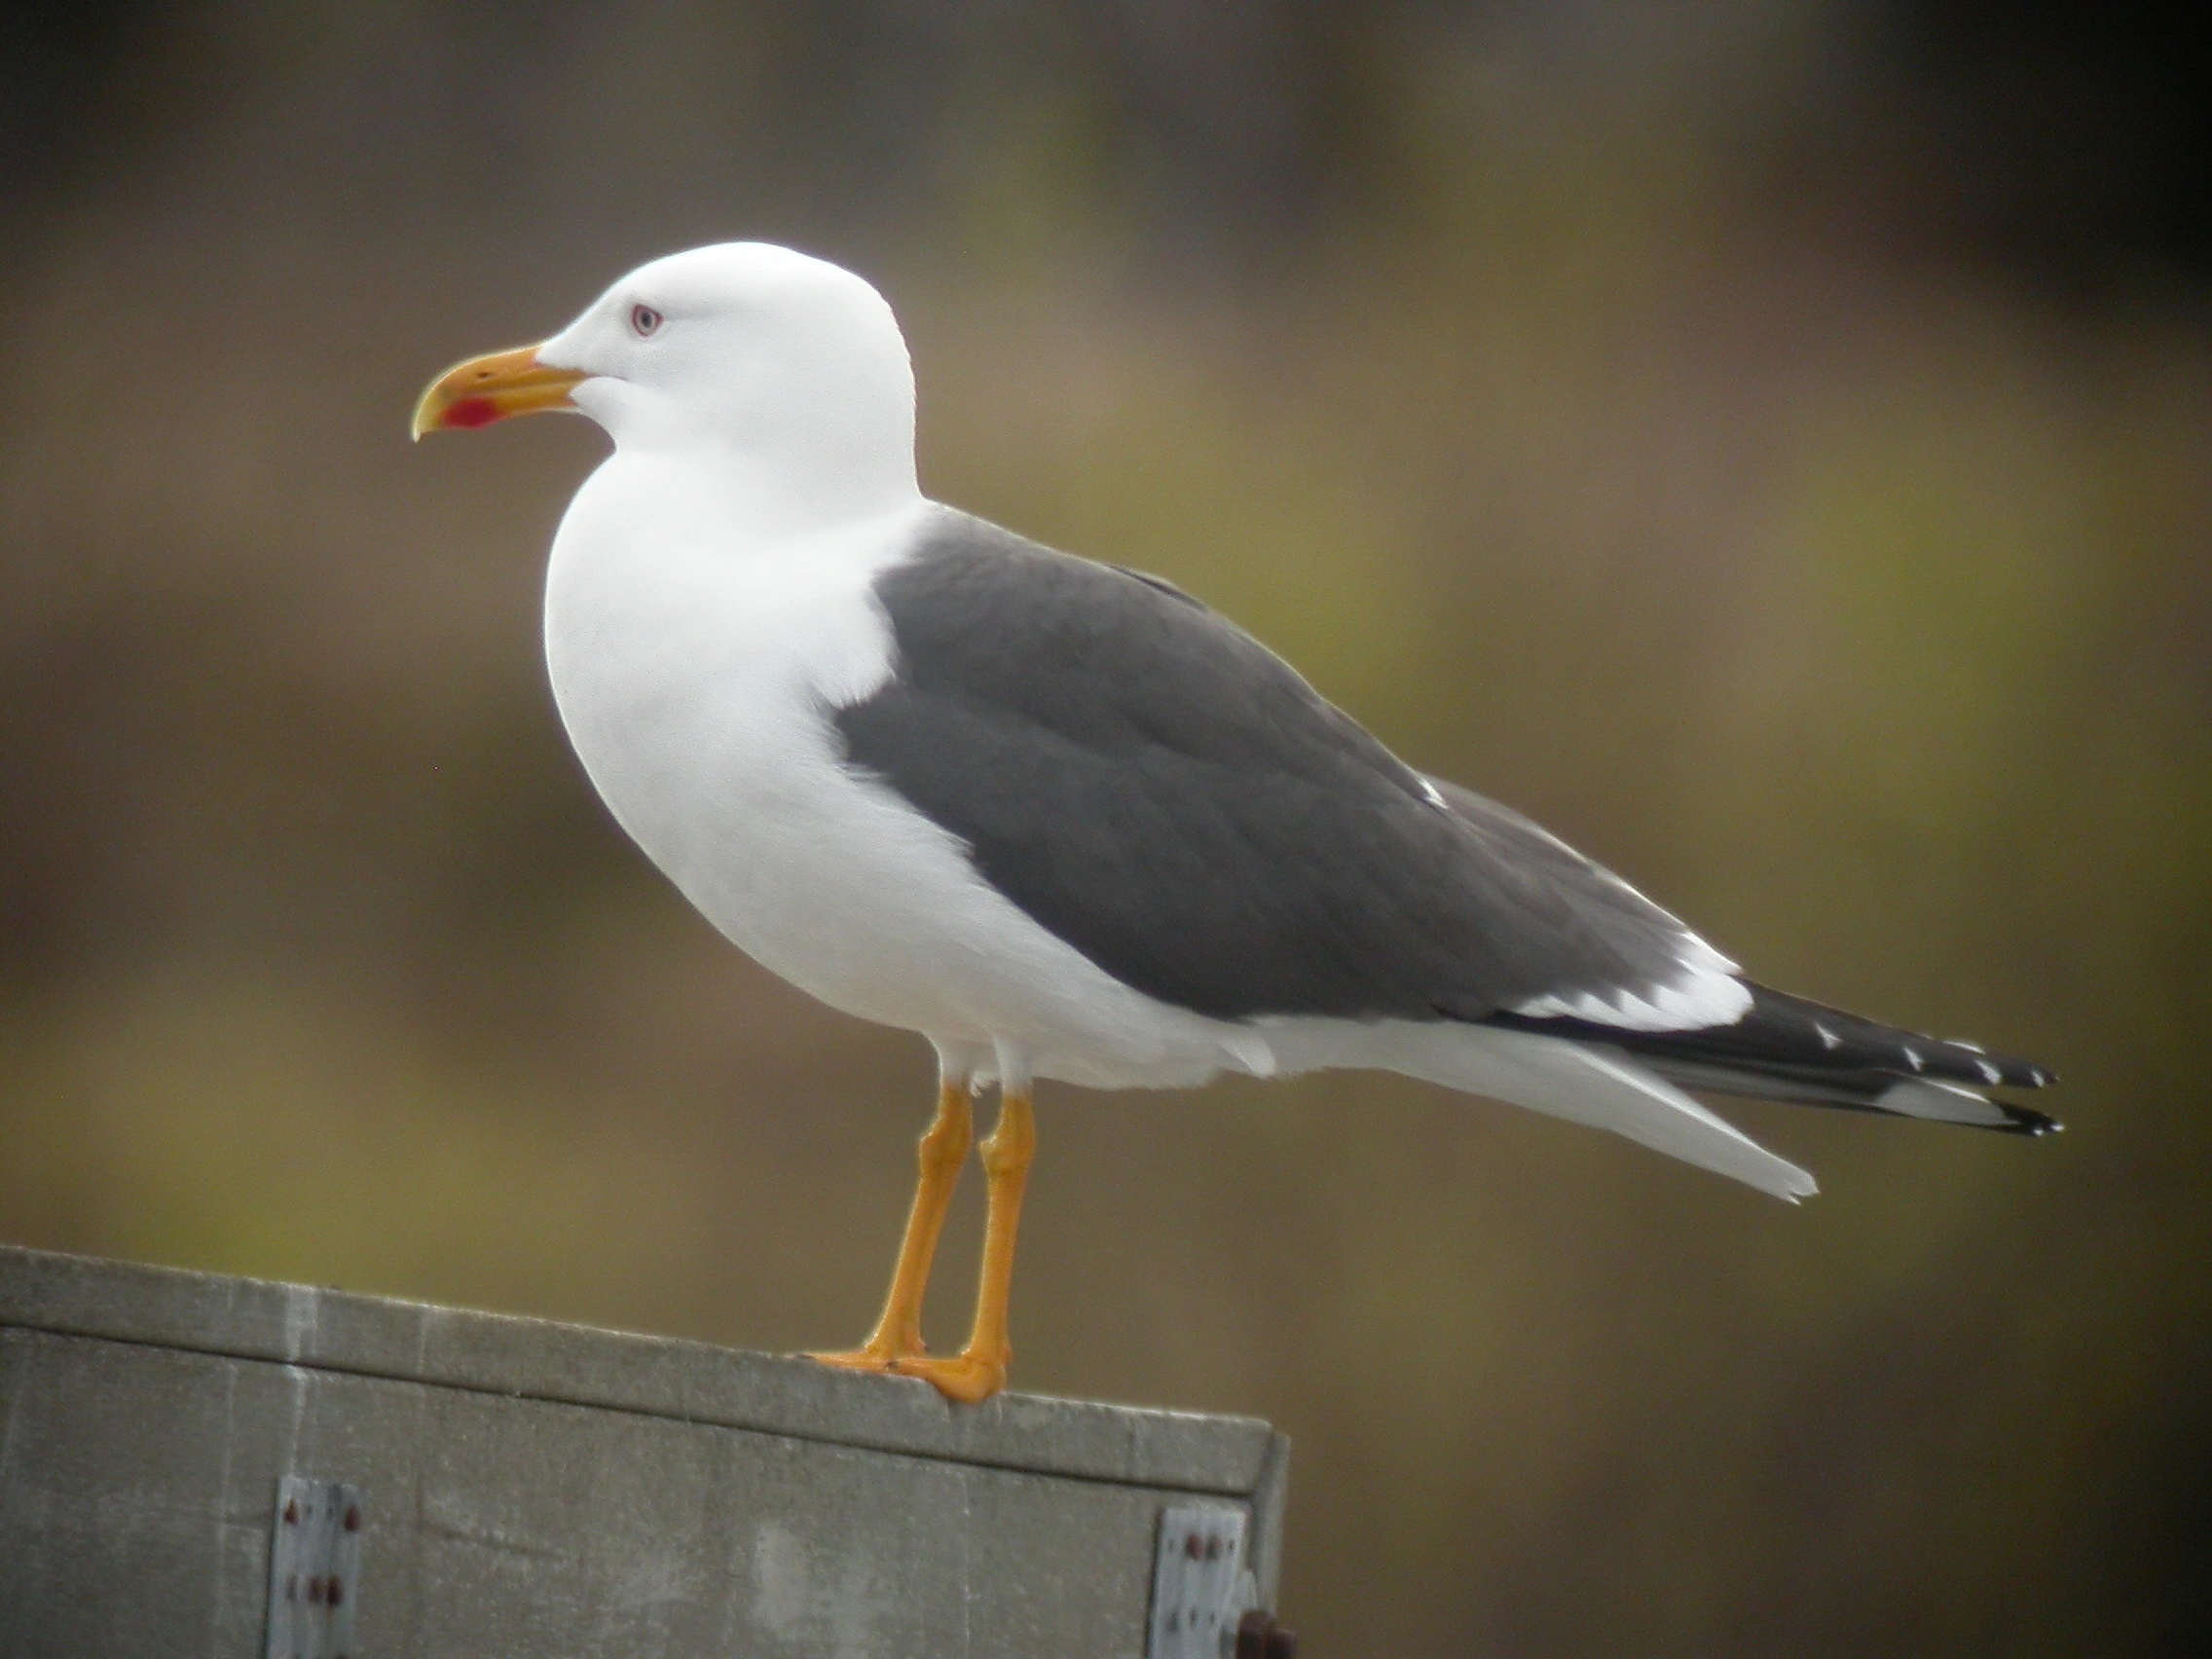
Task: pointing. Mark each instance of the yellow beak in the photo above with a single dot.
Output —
(485, 390)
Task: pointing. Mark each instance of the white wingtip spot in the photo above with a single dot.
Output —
(1912, 1054)
(1989, 1073)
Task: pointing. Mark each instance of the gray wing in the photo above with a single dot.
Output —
(1158, 789)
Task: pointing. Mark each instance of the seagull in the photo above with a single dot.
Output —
(1060, 818)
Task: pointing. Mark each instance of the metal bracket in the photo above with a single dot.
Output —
(314, 1561)
(1200, 1585)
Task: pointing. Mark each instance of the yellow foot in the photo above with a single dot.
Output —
(868, 1359)
(967, 1377)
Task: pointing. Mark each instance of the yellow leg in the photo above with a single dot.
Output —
(979, 1370)
(898, 1335)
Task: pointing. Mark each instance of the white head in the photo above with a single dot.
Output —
(785, 370)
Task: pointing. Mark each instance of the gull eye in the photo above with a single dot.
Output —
(643, 320)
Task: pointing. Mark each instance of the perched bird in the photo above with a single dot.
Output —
(1058, 817)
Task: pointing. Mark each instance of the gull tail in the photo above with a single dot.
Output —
(1787, 1048)
(1602, 1088)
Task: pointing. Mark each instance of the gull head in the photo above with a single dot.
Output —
(744, 353)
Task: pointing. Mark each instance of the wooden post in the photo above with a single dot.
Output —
(528, 1489)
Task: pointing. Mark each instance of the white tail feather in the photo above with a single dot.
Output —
(1584, 1084)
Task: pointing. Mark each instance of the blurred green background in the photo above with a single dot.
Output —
(1768, 440)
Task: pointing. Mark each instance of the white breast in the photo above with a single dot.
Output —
(696, 672)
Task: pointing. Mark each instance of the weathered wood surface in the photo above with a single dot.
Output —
(542, 1490)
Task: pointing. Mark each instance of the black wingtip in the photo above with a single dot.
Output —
(2019, 1121)
(2003, 1071)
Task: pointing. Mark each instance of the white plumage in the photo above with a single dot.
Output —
(706, 608)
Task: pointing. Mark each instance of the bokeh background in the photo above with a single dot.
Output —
(1768, 440)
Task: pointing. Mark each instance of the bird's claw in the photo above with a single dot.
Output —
(967, 1377)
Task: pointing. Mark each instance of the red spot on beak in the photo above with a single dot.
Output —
(470, 413)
